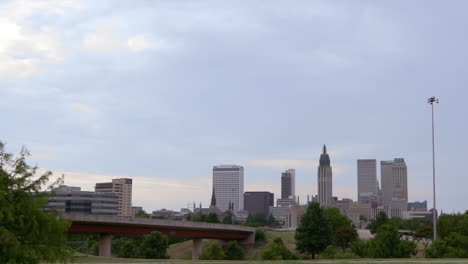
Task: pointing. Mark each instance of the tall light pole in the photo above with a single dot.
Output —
(431, 101)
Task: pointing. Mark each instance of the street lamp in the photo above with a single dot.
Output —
(431, 101)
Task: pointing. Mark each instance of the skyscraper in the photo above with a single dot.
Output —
(324, 178)
(394, 181)
(258, 202)
(123, 189)
(367, 180)
(228, 184)
(386, 175)
(288, 183)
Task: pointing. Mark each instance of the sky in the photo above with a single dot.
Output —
(161, 91)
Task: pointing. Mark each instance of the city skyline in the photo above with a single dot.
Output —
(162, 91)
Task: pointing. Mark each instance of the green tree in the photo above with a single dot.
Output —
(125, 247)
(424, 234)
(452, 246)
(228, 218)
(336, 220)
(314, 233)
(260, 235)
(234, 251)
(389, 245)
(278, 251)
(344, 236)
(213, 252)
(380, 220)
(28, 234)
(153, 246)
(212, 218)
(142, 214)
(386, 244)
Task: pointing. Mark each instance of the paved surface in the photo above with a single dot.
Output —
(105, 224)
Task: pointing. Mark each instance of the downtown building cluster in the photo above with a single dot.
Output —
(389, 195)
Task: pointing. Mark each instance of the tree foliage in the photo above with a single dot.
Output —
(208, 218)
(386, 244)
(228, 218)
(314, 233)
(142, 214)
(260, 235)
(28, 234)
(278, 251)
(234, 251)
(345, 236)
(213, 252)
(154, 246)
(151, 246)
(424, 234)
(343, 232)
(452, 241)
(380, 220)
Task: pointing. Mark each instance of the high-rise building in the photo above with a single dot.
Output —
(324, 179)
(367, 180)
(258, 202)
(123, 189)
(69, 199)
(228, 187)
(395, 182)
(386, 175)
(288, 184)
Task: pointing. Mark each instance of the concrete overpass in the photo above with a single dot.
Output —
(107, 226)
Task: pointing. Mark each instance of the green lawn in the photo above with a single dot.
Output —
(94, 259)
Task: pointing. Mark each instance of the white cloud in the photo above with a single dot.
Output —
(24, 49)
(103, 39)
(140, 43)
(82, 108)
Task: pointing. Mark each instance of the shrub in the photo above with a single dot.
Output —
(234, 251)
(154, 246)
(278, 251)
(213, 252)
(328, 253)
(260, 235)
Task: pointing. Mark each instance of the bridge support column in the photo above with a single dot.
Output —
(197, 248)
(105, 245)
(250, 240)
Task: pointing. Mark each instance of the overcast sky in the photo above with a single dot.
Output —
(161, 91)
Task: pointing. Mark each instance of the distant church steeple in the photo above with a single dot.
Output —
(213, 199)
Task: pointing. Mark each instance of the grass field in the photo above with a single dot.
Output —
(94, 259)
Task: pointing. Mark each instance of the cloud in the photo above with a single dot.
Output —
(82, 108)
(140, 43)
(283, 164)
(24, 49)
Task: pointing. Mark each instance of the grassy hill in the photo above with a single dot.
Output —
(184, 250)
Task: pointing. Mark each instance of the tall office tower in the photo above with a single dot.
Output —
(394, 180)
(288, 183)
(324, 179)
(123, 189)
(400, 180)
(367, 180)
(228, 184)
(386, 175)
